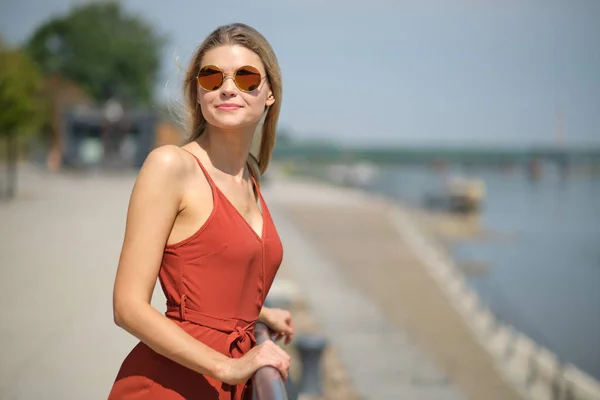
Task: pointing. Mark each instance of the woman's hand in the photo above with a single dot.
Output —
(267, 354)
(278, 321)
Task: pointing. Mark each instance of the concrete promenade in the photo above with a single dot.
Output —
(60, 242)
(390, 325)
(393, 325)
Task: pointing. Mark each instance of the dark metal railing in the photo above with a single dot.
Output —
(268, 383)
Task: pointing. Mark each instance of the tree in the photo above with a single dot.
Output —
(98, 46)
(20, 107)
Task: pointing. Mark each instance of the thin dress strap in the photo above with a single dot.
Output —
(256, 189)
(206, 174)
(215, 188)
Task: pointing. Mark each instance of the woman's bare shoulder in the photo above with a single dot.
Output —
(166, 168)
(168, 162)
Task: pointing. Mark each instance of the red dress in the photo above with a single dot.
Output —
(215, 283)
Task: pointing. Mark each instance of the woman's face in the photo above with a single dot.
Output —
(228, 107)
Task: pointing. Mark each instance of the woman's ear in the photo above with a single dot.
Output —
(270, 99)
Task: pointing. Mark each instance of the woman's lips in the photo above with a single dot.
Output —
(229, 107)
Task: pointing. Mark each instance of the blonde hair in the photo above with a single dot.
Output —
(246, 36)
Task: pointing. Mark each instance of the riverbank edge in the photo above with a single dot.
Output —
(532, 369)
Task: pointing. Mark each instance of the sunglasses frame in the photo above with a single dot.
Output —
(224, 76)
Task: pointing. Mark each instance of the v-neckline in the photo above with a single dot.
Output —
(239, 214)
(217, 191)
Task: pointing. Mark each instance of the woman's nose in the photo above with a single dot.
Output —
(228, 87)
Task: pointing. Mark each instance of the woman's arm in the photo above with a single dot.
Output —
(154, 204)
(279, 321)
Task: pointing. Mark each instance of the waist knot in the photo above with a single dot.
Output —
(241, 332)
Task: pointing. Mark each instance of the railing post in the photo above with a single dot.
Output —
(268, 384)
(285, 303)
(291, 389)
(310, 348)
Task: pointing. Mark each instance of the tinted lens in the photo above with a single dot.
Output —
(247, 78)
(210, 77)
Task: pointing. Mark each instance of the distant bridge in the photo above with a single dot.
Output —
(331, 153)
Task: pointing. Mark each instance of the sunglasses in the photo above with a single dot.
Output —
(246, 78)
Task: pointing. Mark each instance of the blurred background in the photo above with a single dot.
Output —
(440, 158)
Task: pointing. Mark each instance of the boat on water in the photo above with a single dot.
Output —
(459, 194)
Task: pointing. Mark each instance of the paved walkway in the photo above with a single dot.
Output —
(398, 334)
(59, 247)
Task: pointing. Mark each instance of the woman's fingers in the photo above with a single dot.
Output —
(288, 337)
(283, 360)
(271, 354)
(265, 354)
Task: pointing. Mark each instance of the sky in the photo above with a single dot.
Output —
(441, 72)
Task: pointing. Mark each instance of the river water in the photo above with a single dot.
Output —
(546, 280)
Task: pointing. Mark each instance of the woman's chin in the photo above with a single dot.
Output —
(232, 123)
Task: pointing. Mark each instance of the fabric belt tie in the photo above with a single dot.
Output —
(241, 333)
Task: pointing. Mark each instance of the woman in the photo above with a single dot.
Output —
(197, 220)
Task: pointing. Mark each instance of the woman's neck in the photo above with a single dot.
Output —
(227, 150)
